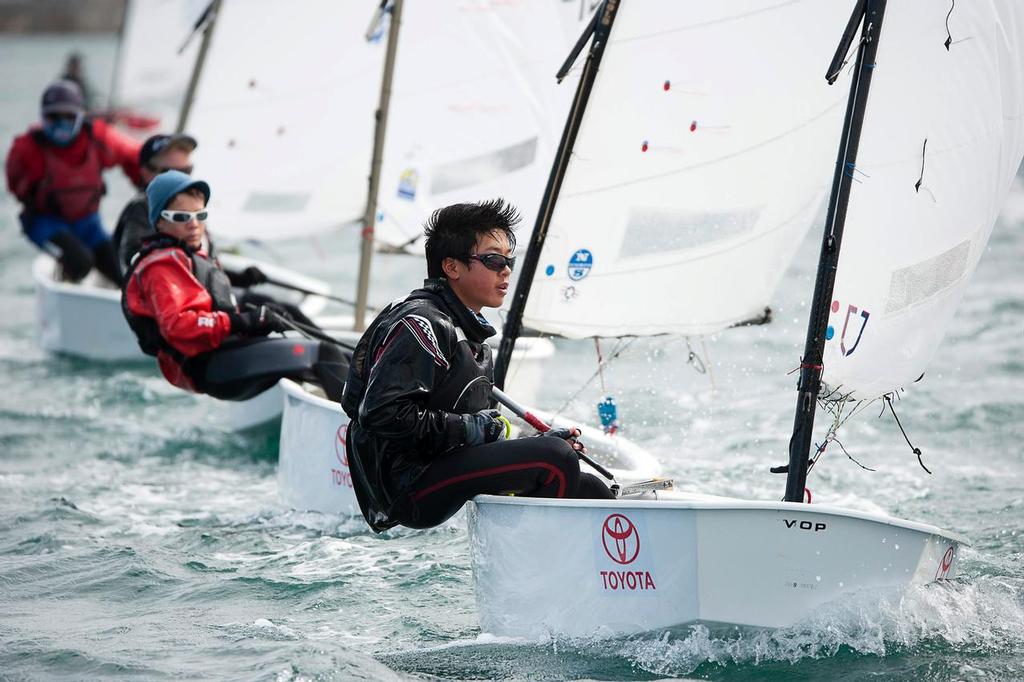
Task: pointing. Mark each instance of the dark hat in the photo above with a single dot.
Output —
(63, 96)
(158, 143)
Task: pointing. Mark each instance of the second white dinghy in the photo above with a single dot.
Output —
(313, 472)
(84, 319)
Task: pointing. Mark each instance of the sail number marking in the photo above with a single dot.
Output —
(816, 526)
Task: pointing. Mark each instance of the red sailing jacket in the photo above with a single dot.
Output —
(68, 181)
(163, 287)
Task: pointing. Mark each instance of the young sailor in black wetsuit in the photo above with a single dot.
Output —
(179, 303)
(423, 438)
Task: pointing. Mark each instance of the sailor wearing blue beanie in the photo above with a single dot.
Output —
(166, 186)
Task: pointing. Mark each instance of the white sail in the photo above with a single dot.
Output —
(475, 113)
(151, 76)
(703, 157)
(942, 139)
(284, 115)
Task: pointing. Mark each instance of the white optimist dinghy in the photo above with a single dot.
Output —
(923, 167)
(84, 318)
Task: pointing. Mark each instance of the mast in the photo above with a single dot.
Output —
(600, 29)
(370, 218)
(118, 56)
(869, 14)
(207, 20)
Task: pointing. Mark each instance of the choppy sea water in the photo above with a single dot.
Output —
(141, 539)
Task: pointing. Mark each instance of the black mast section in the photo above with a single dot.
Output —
(869, 13)
(601, 28)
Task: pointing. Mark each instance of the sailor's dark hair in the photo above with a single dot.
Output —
(453, 231)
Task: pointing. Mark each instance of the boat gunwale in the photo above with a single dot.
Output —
(712, 503)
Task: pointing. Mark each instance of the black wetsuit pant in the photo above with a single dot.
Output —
(539, 466)
(239, 370)
(77, 260)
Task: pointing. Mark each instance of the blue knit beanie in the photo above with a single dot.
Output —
(163, 188)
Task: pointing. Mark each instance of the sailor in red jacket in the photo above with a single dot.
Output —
(179, 303)
(56, 172)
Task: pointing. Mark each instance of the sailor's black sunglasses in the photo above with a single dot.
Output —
(493, 261)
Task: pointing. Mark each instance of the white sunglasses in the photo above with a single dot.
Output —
(185, 216)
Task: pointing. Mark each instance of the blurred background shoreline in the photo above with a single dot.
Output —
(61, 16)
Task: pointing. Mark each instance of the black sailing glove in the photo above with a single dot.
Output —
(259, 321)
(569, 436)
(251, 276)
(486, 426)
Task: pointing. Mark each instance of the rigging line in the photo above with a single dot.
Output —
(853, 48)
(707, 357)
(711, 22)
(856, 410)
(695, 360)
(949, 36)
(849, 456)
(600, 363)
(924, 147)
(915, 450)
(616, 352)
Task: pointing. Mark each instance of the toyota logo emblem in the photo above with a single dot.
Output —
(621, 539)
(339, 444)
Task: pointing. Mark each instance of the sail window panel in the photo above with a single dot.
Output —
(275, 202)
(915, 283)
(653, 229)
(468, 172)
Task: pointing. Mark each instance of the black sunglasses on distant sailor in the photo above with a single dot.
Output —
(493, 261)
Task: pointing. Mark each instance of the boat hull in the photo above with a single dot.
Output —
(586, 567)
(312, 468)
